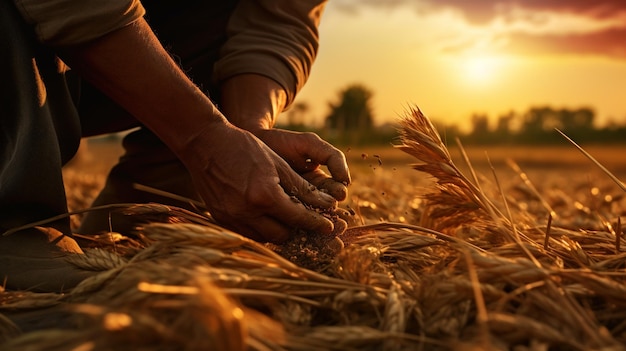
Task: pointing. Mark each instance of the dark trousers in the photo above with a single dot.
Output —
(45, 110)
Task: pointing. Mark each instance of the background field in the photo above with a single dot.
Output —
(540, 163)
(385, 185)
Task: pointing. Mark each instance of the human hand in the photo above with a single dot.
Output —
(249, 188)
(305, 153)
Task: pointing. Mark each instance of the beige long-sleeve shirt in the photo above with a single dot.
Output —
(71, 22)
(275, 38)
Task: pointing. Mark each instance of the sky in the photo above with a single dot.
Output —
(454, 58)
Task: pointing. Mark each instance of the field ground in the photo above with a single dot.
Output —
(527, 259)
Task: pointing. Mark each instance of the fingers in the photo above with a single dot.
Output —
(295, 215)
(323, 153)
(278, 221)
(281, 211)
(255, 191)
(324, 182)
(349, 218)
(305, 152)
(294, 185)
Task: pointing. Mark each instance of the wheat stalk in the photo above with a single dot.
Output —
(420, 139)
(96, 260)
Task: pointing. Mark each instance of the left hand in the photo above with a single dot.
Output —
(306, 153)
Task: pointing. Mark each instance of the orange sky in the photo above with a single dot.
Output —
(456, 57)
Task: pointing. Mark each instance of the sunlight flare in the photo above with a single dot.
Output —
(480, 69)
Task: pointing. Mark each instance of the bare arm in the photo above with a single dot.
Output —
(131, 67)
(252, 102)
(244, 184)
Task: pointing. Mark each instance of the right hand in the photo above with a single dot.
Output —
(305, 153)
(249, 188)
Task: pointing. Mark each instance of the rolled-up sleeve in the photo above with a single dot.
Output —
(275, 38)
(71, 22)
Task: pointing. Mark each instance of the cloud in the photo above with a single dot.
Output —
(531, 27)
(608, 42)
(482, 11)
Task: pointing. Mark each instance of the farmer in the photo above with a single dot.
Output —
(202, 94)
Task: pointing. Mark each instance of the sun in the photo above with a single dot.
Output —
(480, 69)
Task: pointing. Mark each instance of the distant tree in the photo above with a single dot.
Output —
(581, 119)
(540, 119)
(537, 124)
(352, 115)
(578, 123)
(480, 124)
(505, 124)
(479, 132)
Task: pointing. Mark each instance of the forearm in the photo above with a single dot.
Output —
(242, 181)
(131, 67)
(252, 102)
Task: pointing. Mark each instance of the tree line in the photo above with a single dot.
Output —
(538, 125)
(350, 120)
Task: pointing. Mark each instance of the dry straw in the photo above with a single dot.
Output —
(473, 271)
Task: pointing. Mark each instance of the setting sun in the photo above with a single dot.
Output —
(480, 69)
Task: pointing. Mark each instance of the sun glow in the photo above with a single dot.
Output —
(480, 69)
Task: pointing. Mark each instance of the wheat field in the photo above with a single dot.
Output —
(442, 253)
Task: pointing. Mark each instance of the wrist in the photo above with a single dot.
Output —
(256, 127)
(252, 102)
